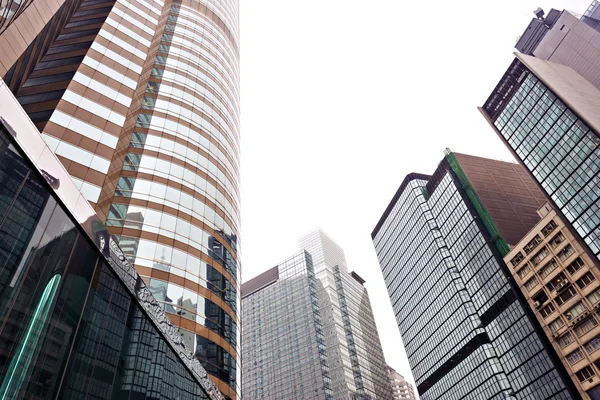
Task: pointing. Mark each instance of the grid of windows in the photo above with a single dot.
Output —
(561, 152)
(283, 345)
(432, 243)
(67, 317)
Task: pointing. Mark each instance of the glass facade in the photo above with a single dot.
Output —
(556, 146)
(140, 102)
(283, 341)
(356, 362)
(175, 206)
(70, 325)
(465, 332)
(309, 331)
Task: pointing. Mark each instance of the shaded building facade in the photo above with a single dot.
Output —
(466, 327)
(283, 344)
(309, 330)
(547, 115)
(140, 102)
(76, 320)
(561, 284)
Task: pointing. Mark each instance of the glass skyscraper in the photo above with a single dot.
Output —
(139, 100)
(356, 361)
(465, 326)
(283, 341)
(309, 330)
(547, 115)
(76, 320)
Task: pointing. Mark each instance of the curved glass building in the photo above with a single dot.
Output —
(139, 99)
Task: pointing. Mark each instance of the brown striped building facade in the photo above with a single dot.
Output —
(139, 99)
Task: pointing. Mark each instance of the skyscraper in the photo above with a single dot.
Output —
(566, 38)
(76, 320)
(309, 330)
(356, 362)
(547, 115)
(283, 343)
(465, 325)
(139, 99)
(561, 284)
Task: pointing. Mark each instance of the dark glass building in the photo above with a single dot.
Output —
(465, 325)
(547, 115)
(76, 320)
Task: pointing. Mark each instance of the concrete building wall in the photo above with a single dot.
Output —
(561, 283)
(573, 43)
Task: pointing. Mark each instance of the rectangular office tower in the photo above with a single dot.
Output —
(308, 330)
(465, 325)
(76, 320)
(139, 100)
(283, 344)
(547, 115)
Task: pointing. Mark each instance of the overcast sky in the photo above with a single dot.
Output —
(341, 99)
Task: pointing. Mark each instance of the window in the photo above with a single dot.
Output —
(593, 344)
(524, 271)
(530, 284)
(556, 240)
(574, 356)
(566, 295)
(540, 255)
(575, 266)
(556, 324)
(575, 311)
(548, 268)
(558, 282)
(517, 259)
(533, 243)
(565, 252)
(594, 296)
(549, 228)
(585, 280)
(547, 310)
(587, 325)
(585, 373)
(565, 340)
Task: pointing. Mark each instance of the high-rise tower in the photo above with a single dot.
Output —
(547, 115)
(139, 99)
(466, 327)
(309, 330)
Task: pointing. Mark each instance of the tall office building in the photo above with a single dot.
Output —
(76, 320)
(402, 390)
(547, 115)
(139, 99)
(561, 284)
(566, 38)
(309, 330)
(356, 363)
(465, 325)
(283, 343)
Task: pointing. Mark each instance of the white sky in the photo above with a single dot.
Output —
(342, 99)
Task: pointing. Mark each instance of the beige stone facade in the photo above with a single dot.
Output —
(561, 284)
